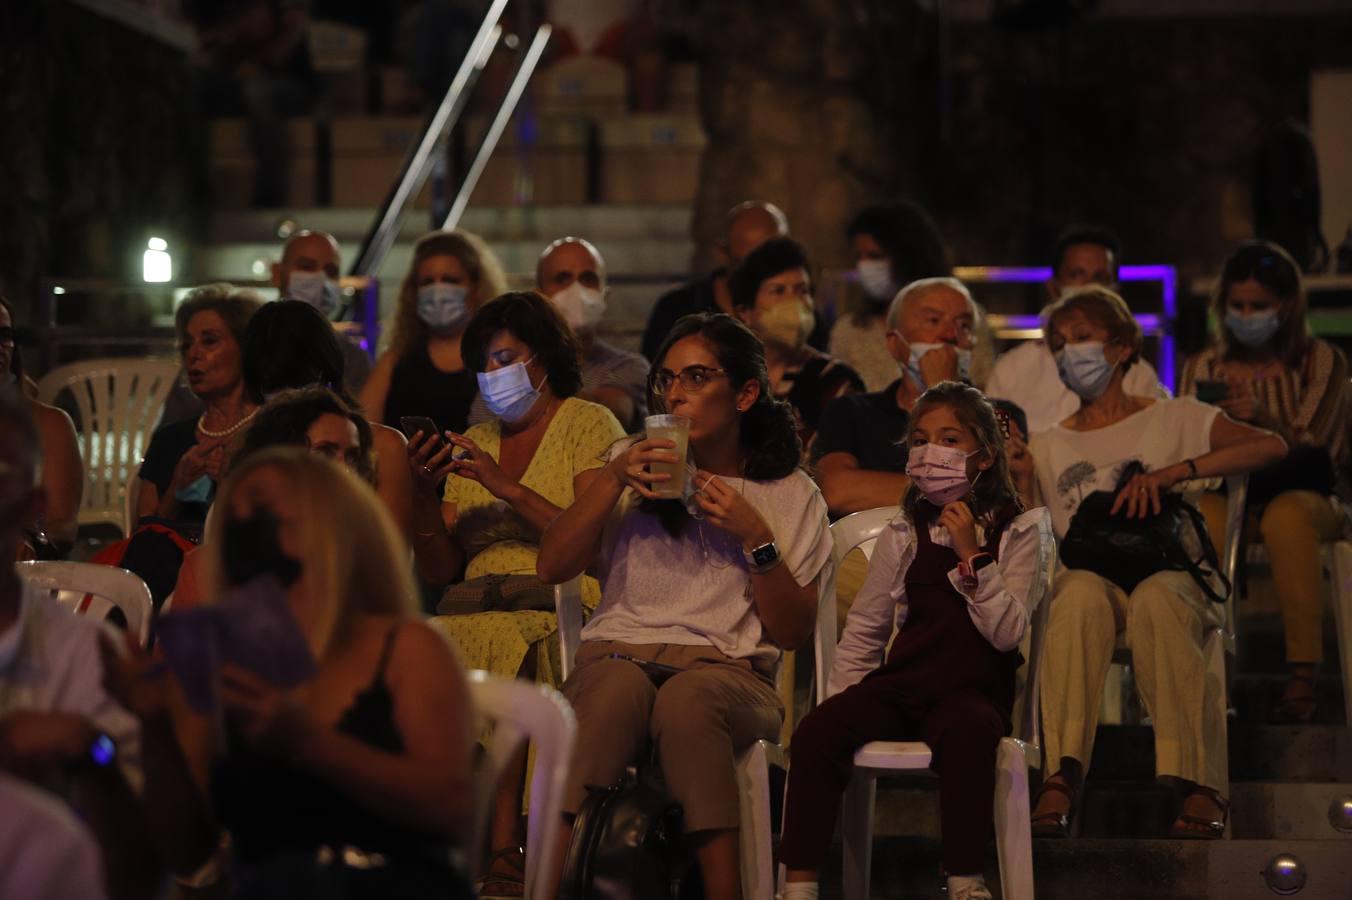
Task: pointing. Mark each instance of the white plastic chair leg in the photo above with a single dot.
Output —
(756, 841)
(1013, 833)
(856, 828)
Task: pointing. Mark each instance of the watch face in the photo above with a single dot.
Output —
(103, 751)
(765, 554)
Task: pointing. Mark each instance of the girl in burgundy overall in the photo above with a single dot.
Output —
(954, 570)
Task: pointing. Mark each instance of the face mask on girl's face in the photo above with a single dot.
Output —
(1084, 369)
(1255, 329)
(940, 473)
(875, 277)
(252, 547)
(442, 306)
(918, 350)
(508, 391)
(787, 324)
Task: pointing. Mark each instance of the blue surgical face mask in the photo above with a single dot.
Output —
(875, 277)
(1084, 369)
(918, 350)
(1255, 329)
(442, 306)
(199, 491)
(316, 289)
(508, 391)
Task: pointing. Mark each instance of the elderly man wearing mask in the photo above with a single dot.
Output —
(1027, 375)
(572, 274)
(929, 334)
(308, 272)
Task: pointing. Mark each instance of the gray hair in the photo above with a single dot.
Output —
(924, 286)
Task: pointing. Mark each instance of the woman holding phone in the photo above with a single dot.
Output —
(700, 595)
(1266, 369)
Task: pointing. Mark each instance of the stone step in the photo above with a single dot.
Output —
(1253, 697)
(1079, 868)
(1279, 810)
(1290, 753)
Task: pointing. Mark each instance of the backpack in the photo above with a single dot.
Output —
(154, 551)
(628, 844)
(1128, 551)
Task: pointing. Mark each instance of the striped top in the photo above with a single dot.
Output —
(1309, 407)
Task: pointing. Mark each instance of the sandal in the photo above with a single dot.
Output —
(1204, 829)
(504, 884)
(1053, 824)
(1297, 710)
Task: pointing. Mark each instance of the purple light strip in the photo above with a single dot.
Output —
(1166, 275)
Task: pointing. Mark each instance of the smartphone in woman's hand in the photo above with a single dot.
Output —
(411, 425)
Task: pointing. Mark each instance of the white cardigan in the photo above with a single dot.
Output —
(998, 605)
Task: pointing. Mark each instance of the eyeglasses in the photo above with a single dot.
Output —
(7, 335)
(692, 379)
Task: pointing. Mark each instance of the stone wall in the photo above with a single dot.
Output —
(1150, 126)
(98, 150)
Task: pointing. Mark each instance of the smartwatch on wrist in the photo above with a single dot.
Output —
(968, 569)
(761, 559)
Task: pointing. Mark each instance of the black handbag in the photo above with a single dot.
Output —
(1128, 551)
(628, 844)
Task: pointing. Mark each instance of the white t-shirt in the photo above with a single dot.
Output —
(45, 853)
(49, 661)
(1027, 375)
(1071, 465)
(695, 589)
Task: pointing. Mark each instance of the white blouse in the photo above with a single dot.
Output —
(1000, 605)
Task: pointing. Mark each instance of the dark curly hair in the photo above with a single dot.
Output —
(535, 322)
(289, 344)
(774, 257)
(993, 498)
(910, 240)
(285, 420)
(770, 445)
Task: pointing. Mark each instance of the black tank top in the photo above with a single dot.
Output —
(271, 807)
(419, 388)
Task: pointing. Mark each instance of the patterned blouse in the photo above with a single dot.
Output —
(1310, 407)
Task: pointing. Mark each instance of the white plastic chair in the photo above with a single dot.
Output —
(756, 840)
(70, 582)
(119, 403)
(1337, 561)
(1013, 837)
(521, 711)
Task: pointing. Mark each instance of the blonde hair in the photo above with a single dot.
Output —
(349, 548)
(486, 277)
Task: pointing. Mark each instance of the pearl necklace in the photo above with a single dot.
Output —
(228, 431)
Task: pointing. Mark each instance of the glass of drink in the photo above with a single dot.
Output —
(677, 430)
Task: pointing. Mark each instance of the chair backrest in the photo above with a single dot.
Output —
(856, 531)
(860, 531)
(568, 608)
(69, 582)
(519, 711)
(119, 402)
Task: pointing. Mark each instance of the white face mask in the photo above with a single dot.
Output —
(316, 289)
(875, 277)
(1084, 369)
(442, 306)
(581, 307)
(918, 350)
(508, 391)
(940, 473)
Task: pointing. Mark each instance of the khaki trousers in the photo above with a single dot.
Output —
(699, 720)
(1164, 622)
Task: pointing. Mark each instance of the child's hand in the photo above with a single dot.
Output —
(961, 525)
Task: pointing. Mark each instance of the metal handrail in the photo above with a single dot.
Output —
(489, 142)
(413, 175)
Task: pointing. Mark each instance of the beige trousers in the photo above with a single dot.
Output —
(699, 720)
(1164, 622)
